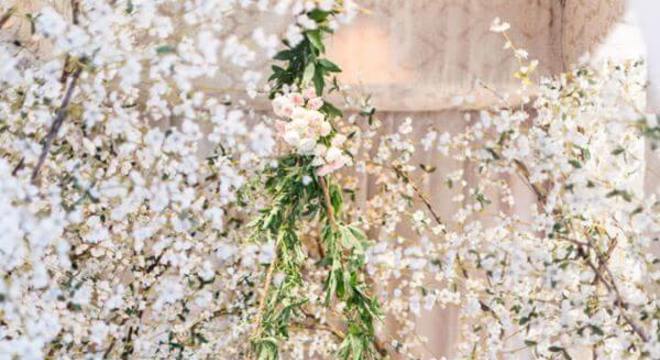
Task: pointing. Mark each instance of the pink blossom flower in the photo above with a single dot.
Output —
(280, 126)
(297, 99)
(315, 103)
(309, 93)
(329, 168)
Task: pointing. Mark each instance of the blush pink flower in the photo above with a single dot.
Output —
(297, 99)
(315, 103)
(329, 168)
(309, 93)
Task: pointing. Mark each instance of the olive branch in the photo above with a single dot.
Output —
(295, 199)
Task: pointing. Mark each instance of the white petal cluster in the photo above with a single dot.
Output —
(131, 242)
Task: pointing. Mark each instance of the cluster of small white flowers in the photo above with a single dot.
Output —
(580, 262)
(130, 242)
(576, 271)
(309, 131)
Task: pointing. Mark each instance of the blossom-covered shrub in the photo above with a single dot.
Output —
(145, 217)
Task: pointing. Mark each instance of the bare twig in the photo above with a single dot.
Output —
(328, 202)
(264, 295)
(326, 327)
(427, 203)
(610, 250)
(524, 173)
(75, 11)
(4, 19)
(619, 299)
(19, 167)
(57, 124)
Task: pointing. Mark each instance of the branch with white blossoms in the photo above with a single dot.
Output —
(553, 279)
(132, 243)
(128, 245)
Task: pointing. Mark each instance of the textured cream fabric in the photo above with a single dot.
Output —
(418, 55)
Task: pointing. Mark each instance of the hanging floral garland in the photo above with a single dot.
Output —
(301, 189)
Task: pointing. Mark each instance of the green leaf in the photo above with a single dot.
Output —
(318, 15)
(331, 110)
(165, 49)
(283, 55)
(129, 7)
(340, 290)
(597, 331)
(356, 347)
(358, 234)
(330, 287)
(309, 73)
(316, 39)
(329, 65)
(319, 82)
(336, 198)
(618, 151)
(576, 164)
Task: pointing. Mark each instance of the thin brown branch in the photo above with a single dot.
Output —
(326, 327)
(19, 167)
(619, 299)
(264, 295)
(108, 351)
(524, 173)
(609, 285)
(57, 124)
(602, 261)
(610, 250)
(427, 203)
(328, 202)
(319, 248)
(65, 69)
(4, 19)
(75, 11)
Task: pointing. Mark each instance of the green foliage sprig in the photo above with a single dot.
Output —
(298, 194)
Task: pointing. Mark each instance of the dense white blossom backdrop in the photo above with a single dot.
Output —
(153, 207)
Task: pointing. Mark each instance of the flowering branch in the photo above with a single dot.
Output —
(57, 123)
(403, 175)
(300, 188)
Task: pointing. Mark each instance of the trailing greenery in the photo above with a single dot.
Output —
(298, 195)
